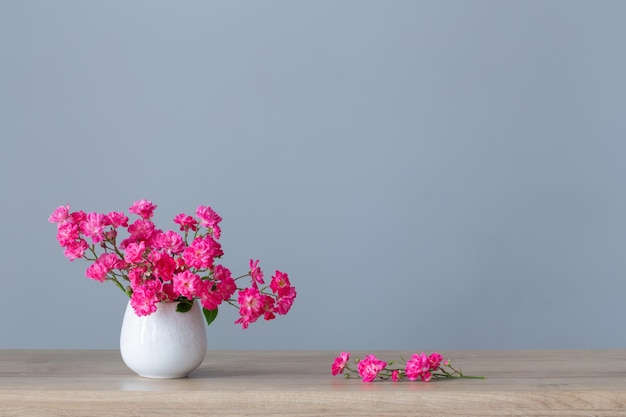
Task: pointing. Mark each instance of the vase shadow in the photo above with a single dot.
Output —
(208, 371)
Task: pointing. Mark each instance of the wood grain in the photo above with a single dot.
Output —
(286, 383)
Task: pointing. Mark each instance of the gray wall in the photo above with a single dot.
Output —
(432, 175)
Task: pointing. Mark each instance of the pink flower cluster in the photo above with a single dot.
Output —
(418, 367)
(151, 265)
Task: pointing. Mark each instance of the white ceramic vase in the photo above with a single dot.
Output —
(165, 344)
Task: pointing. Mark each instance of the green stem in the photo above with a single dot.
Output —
(242, 276)
(119, 284)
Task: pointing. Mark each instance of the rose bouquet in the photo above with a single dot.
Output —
(151, 265)
(419, 367)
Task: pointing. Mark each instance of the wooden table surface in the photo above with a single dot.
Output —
(299, 383)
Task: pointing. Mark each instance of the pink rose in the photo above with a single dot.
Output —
(60, 214)
(77, 216)
(285, 301)
(186, 284)
(170, 241)
(340, 363)
(280, 283)
(143, 208)
(370, 367)
(210, 297)
(209, 218)
(186, 222)
(116, 219)
(145, 297)
(67, 233)
(251, 306)
(93, 227)
(225, 283)
(97, 271)
(268, 307)
(202, 253)
(256, 273)
(141, 230)
(134, 252)
(417, 367)
(112, 261)
(76, 249)
(434, 361)
(136, 276)
(163, 265)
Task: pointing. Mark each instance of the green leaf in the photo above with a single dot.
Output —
(209, 315)
(184, 306)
